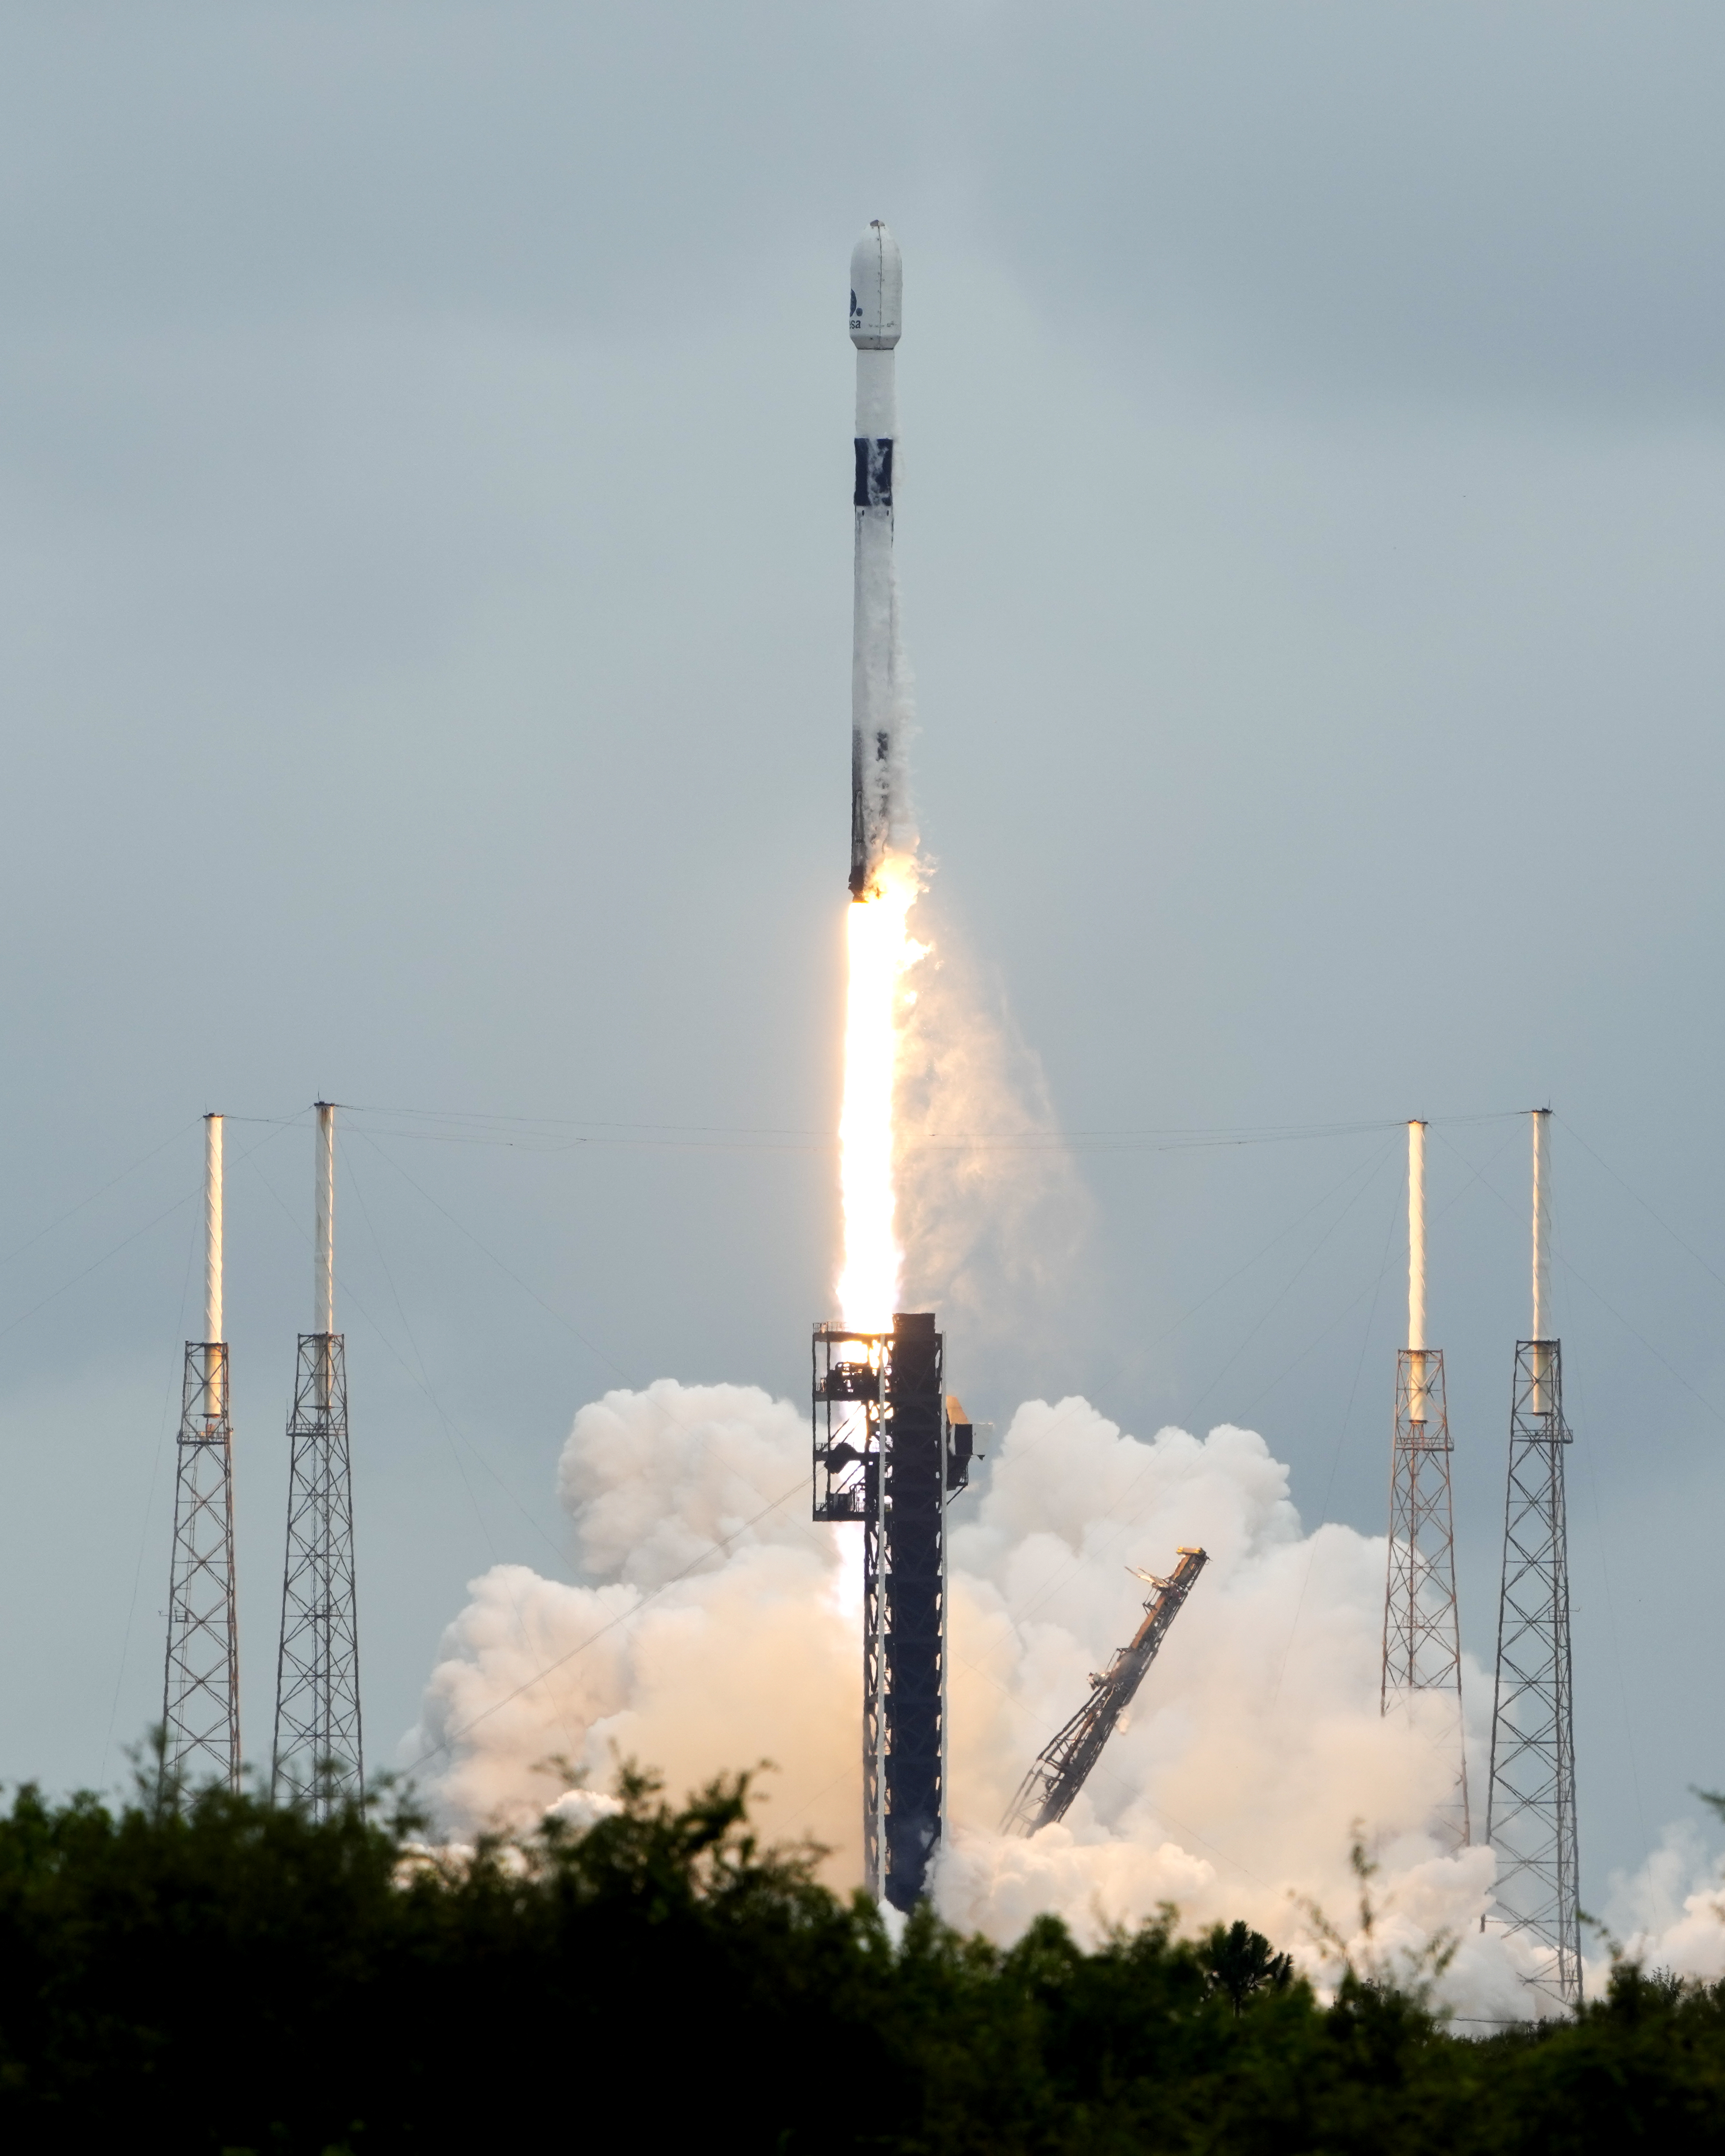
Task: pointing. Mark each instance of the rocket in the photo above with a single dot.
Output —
(877, 667)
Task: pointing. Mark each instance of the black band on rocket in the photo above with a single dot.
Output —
(873, 475)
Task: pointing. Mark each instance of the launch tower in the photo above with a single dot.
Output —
(1530, 1817)
(200, 1701)
(1422, 1638)
(888, 1452)
(317, 1754)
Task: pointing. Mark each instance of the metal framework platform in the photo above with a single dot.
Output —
(890, 1451)
(1065, 1763)
(1422, 1636)
(318, 1756)
(200, 1711)
(1530, 1818)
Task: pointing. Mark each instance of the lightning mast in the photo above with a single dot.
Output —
(317, 1754)
(1063, 1764)
(887, 1455)
(1422, 1637)
(200, 1700)
(1530, 1817)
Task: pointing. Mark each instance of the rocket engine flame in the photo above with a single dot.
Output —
(881, 952)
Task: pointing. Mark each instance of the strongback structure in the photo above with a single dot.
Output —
(1422, 1636)
(200, 1703)
(888, 1452)
(318, 1756)
(1531, 1814)
(1063, 1764)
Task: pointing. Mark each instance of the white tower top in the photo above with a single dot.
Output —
(1416, 1237)
(323, 1289)
(1542, 1312)
(213, 1230)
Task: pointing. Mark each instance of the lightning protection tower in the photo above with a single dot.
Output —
(200, 1699)
(1422, 1636)
(317, 1755)
(1530, 1816)
(887, 1454)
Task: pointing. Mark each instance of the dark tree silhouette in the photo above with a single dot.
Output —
(208, 1972)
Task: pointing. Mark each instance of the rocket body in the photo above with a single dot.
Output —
(877, 684)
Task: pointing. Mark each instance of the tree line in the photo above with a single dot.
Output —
(206, 1971)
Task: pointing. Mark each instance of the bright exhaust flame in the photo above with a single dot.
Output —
(881, 951)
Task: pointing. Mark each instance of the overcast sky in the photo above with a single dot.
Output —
(424, 450)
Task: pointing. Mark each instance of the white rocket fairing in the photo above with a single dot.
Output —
(876, 313)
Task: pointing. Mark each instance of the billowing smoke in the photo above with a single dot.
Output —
(710, 1634)
(992, 1211)
(1670, 1914)
(717, 1626)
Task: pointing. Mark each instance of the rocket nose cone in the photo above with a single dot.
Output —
(876, 290)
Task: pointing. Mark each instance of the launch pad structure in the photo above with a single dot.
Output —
(891, 1450)
(1066, 1762)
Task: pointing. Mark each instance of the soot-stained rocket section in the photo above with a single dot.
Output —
(876, 775)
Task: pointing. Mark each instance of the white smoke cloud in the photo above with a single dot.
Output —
(991, 1209)
(716, 1626)
(710, 1634)
(1670, 1914)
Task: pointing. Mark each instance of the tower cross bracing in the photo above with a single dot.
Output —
(1531, 1816)
(1422, 1640)
(318, 1751)
(318, 1755)
(200, 1709)
(1422, 1629)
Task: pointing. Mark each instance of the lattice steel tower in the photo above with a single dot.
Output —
(317, 1754)
(1422, 1633)
(888, 1454)
(200, 1697)
(1531, 1810)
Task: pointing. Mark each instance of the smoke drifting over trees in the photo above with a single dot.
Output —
(229, 1975)
(713, 1622)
